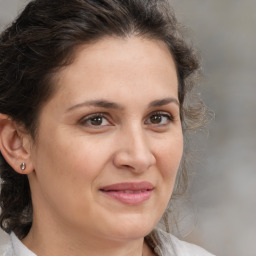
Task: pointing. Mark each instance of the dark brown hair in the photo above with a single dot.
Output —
(43, 39)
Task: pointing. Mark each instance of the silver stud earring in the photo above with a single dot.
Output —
(23, 166)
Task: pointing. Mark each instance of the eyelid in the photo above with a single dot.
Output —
(83, 121)
(86, 118)
(162, 113)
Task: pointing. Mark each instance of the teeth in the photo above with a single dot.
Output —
(129, 191)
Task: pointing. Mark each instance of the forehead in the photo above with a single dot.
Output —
(119, 63)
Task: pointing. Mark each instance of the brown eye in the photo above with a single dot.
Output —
(98, 120)
(159, 119)
(156, 119)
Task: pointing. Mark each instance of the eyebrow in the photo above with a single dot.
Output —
(162, 102)
(112, 105)
(97, 103)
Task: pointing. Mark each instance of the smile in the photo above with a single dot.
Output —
(129, 193)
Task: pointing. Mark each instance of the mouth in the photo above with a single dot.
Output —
(130, 193)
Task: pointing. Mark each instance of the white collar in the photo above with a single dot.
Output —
(18, 248)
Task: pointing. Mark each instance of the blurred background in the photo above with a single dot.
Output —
(221, 209)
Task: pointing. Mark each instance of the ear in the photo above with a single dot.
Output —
(15, 145)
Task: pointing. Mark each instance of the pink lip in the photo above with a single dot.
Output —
(129, 192)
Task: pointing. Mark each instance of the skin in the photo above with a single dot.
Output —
(73, 156)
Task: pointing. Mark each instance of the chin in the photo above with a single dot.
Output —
(133, 228)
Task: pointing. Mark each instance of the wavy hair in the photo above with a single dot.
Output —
(43, 39)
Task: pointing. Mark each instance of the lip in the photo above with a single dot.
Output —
(131, 193)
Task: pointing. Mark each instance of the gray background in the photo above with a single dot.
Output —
(222, 203)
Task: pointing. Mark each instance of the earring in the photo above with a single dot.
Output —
(23, 166)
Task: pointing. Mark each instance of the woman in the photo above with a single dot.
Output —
(91, 128)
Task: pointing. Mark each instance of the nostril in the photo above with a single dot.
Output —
(137, 159)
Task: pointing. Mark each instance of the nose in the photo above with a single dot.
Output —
(134, 152)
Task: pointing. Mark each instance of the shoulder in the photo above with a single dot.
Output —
(166, 244)
(190, 249)
(16, 247)
(6, 248)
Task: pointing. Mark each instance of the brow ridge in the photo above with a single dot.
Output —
(112, 105)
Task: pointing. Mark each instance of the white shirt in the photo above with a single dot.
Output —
(163, 244)
(16, 248)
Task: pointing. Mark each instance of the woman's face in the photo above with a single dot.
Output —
(109, 141)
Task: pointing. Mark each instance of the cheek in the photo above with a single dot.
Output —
(65, 173)
(170, 154)
(71, 157)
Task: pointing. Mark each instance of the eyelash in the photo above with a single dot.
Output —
(162, 114)
(84, 121)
